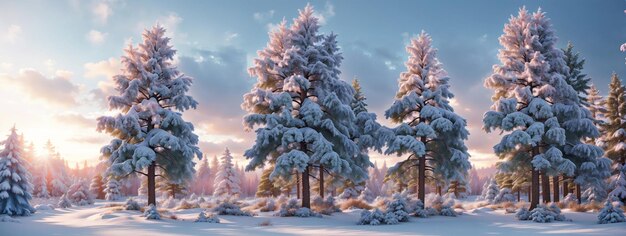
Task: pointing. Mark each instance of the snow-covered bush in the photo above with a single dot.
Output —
(355, 204)
(541, 214)
(132, 205)
(79, 194)
(170, 203)
(270, 205)
(367, 195)
(398, 207)
(44, 207)
(419, 210)
(228, 207)
(151, 213)
(350, 192)
(64, 202)
(7, 218)
(492, 191)
(611, 213)
(505, 195)
(570, 198)
(185, 204)
(112, 190)
(292, 208)
(209, 218)
(15, 186)
(324, 206)
(447, 208)
(373, 217)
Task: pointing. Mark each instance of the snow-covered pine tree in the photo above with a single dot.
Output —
(227, 181)
(79, 193)
(57, 177)
(611, 213)
(15, 185)
(429, 131)
(618, 184)
(492, 190)
(615, 127)
(97, 186)
(150, 130)
(536, 108)
(112, 189)
(596, 104)
(203, 182)
(300, 106)
(575, 77)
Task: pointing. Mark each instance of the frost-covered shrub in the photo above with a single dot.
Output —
(522, 214)
(447, 208)
(418, 209)
(151, 213)
(64, 202)
(324, 206)
(270, 205)
(398, 207)
(79, 194)
(44, 207)
(611, 213)
(350, 193)
(570, 198)
(209, 218)
(112, 190)
(132, 205)
(228, 207)
(373, 217)
(541, 214)
(434, 201)
(184, 204)
(492, 191)
(170, 203)
(505, 195)
(292, 208)
(366, 195)
(355, 203)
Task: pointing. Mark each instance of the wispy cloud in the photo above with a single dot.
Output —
(101, 11)
(57, 90)
(95, 37)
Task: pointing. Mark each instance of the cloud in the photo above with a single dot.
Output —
(75, 119)
(171, 22)
(231, 36)
(263, 16)
(326, 14)
(57, 90)
(13, 33)
(106, 68)
(95, 37)
(101, 11)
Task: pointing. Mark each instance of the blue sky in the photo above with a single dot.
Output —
(56, 57)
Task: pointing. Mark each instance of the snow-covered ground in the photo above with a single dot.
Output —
(99, 220)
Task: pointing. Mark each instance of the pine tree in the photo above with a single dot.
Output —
(227, 180)
(429, 131)
(618, 184)
(203, 180)
(79, 194)
(97, 186)
(173, 189)
(615, 127)
(15, 185)
(575, 77)
(266, 187)
(112, 190)
(536, 108)
(301, 107)
(597, 106)
(150, 130)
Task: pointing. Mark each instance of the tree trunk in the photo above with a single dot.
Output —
(545, 187)
(578, 194)
(439, 190)
(421, 194)
(322, 181)
(535, 189)
(306, 189)
(519, 192)
(298, 185)
(555, 188)
(565, 188)
(529, 193)
(151, 184)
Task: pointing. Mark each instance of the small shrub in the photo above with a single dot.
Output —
(541, 214)
(208, 218)
(611, 213)
(151, 213)
(184, 204)
(354, 203)
(228, 207)
(324, 206)
(446, 208)
(132, 205)
(373, 217)
(574, 206)
(292, 208)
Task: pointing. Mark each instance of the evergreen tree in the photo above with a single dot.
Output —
(173, 189)
(429, 131)
(15, 185)
(112, 190)
(575, 77)
(150, 130)
(97, 186)
(536, 108)
(597, 106)
(227, 181)
(301, 107)
(203, 181)
(618, 184)
(79, 194)
(615, 127)
(267, 188)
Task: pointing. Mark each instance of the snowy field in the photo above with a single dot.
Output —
(100, 220)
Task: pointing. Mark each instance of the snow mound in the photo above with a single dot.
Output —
(44, 207)
(541, 214)
(208, 218)
(7, 218)
(292, 208)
